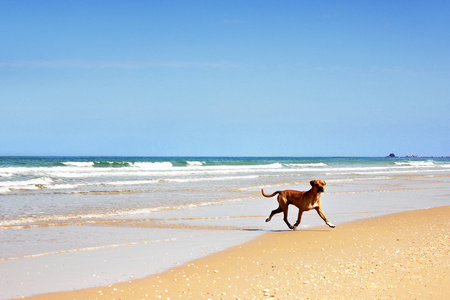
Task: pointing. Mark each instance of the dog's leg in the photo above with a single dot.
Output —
(320, 212)
(275, 211)
(299, 219)
(285, 218)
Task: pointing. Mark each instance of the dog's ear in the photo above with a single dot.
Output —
(324, 183)
(311, 182)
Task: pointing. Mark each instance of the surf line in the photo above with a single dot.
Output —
(99, 248)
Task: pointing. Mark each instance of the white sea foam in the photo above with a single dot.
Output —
(154, 165)
(214, 178)
(4, 190)
(26, 184)
(131, 182)
(237, 168)
(63, 186)
(307, 165)
(268, 166)
(358, 179)
(50, 219)
(6, 174)
(79, 164)
(414, 163)
(194, 163)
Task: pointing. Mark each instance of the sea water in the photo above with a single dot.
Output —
(50, 190)
(147, 214)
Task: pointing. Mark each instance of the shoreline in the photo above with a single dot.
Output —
(402, 255)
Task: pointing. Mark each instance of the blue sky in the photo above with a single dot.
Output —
(230, 78)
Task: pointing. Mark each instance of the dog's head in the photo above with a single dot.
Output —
(318, 185)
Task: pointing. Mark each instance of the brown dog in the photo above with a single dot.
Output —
(303, 200)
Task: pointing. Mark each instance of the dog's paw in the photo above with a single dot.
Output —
(331, 225)
(268, 219)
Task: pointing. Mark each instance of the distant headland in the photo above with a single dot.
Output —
(392, 155)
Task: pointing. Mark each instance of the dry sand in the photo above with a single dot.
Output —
(400, 256)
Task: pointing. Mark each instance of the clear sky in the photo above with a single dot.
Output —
(224, 78)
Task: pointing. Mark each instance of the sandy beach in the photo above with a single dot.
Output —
(398, 256)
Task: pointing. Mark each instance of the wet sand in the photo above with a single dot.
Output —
(402, 256)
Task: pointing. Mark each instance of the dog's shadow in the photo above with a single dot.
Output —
(285, 230)
(262, 230)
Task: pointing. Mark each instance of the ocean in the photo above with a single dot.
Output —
(148, 214)
(36, 191)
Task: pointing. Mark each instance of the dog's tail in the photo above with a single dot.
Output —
(268, 196)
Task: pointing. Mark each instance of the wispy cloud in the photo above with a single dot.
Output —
(82, 64)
